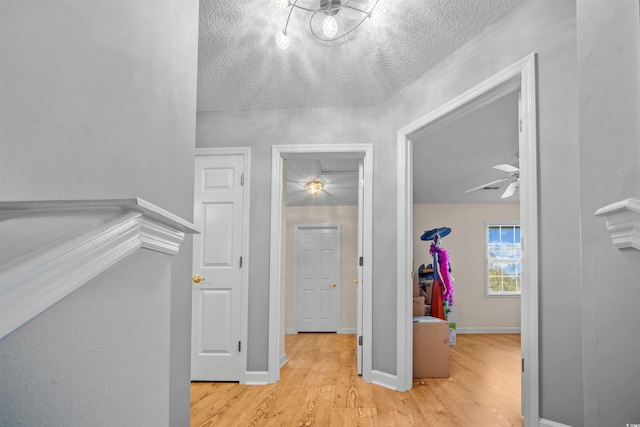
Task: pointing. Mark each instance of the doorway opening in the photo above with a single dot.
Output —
(280, 154)
(518, 77)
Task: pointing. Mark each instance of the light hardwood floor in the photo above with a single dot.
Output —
(319, 386)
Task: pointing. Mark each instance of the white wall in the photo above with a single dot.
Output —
(609, 81)
(347, 216)
(98, 101)
(467, 250)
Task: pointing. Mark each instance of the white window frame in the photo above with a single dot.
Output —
(488, 224)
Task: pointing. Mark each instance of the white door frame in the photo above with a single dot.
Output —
(521, 75)
(244, 286)
(316, 226)
(278, 154)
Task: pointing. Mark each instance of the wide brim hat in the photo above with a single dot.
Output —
(440, 232)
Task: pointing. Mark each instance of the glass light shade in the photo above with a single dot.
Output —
(281, 5)
(282, 41)
(315, 187)
(378, 16)
(330, 27)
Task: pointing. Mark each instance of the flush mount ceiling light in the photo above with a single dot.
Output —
(315, 187)
(322, 21)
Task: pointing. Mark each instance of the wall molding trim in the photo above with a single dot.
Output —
(256, 378)
(623, 222)
(385, 380)
(521, 76)
(59, 246)
(348, 331)
(283, 360)
(495, 330)
(549, 423)
(279, 153)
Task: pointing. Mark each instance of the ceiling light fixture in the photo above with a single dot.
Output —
(315, 187)
(326, 29)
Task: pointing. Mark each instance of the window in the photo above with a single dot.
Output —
(503, 259)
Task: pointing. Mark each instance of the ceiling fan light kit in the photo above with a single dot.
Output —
(513, 174)
(327, 28)
(315, 187)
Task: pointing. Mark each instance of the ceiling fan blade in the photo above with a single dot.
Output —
(506, 168)
(486, 185)
(511, 189)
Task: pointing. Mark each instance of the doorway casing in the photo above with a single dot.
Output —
(519, 76)
(279, 154)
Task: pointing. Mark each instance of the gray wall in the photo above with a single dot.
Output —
(609, 81)
(544, 27)
(98, 101)
(260, 130)
(98, 357)
(548, 29)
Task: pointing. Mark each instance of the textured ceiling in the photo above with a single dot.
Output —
(461, 155)
(240, 68)
(446, 162)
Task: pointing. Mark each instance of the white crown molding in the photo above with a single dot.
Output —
(623, 222)
(87, 238)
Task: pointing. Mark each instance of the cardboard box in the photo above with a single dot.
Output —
(418, 306)
(430, 347)
(416, 285)
(427, 286)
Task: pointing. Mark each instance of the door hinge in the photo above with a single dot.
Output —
(520, 125)
(522, 365)
(361, 261)
(241, 179)
(360, 340)
(240, 262)
(239, 345)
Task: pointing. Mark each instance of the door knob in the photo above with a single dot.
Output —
(333, 285)
(197, 279)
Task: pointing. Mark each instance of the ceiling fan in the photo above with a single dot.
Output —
(513, 174)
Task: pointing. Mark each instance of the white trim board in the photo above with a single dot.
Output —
(520, 75)
(549, 423)
(385, 380)
(87, 238)
(278, 154)
(256, 378)
(494, 330)
(246, 222)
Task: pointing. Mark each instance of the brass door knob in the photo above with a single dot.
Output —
(333, 285)
(197, 279)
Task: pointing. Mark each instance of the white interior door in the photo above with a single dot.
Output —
(317, 266)
(217, 268)
(360, 266)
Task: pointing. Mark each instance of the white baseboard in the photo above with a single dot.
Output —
(497, 330)
(345, 331)
(256, 378)
(283, 360)
(549, 423)
(385, 380)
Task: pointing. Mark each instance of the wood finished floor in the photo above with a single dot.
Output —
(319, 386)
